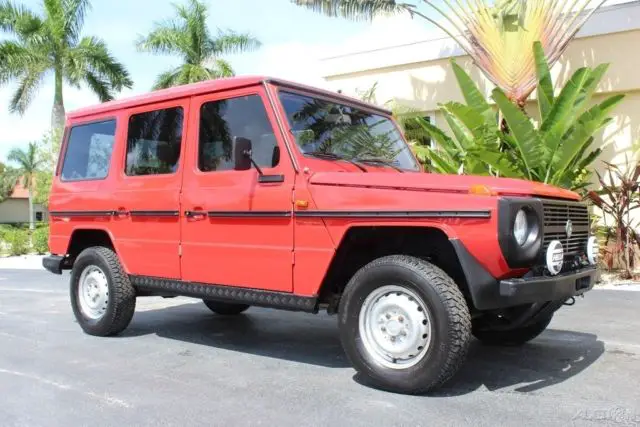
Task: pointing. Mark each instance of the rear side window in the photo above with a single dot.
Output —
(154, 141)
(88, 153)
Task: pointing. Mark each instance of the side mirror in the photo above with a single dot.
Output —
(242, 153)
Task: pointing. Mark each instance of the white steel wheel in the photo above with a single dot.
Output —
(395, 326)
(93, 292)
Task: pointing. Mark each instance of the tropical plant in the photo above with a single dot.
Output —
(556, 151)
(29, 163)
(618, 198)
(48, 151)
(188, 37)
(40, 240)
(496, 34)
(18, 241)
(51, 43)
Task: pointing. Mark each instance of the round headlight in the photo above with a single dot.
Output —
(521, 227)
(555, 257)
(593, 250)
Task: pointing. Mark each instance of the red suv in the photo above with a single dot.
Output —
(260, 192)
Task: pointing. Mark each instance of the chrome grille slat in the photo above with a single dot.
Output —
(556, 214)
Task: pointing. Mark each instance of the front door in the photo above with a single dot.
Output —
(237, 229)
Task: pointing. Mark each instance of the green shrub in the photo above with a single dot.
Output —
(40, 240)
(18, 241)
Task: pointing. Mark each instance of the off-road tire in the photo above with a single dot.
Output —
(225, 308)
(122, 295)
(450, 318)
(512, 337)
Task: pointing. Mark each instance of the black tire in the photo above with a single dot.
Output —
(225, 308)
(448, 311)
(513, 337)
(121, 302)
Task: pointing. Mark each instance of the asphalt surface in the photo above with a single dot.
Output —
(179, 364)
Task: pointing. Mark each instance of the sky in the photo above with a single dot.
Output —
(293, 40)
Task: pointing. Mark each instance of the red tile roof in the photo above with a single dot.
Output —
(20, 191)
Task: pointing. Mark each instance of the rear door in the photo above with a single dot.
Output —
(147, 196)
(237, 230)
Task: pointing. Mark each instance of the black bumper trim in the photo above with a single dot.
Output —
(53, 263)
(488, 293)
(549, 288)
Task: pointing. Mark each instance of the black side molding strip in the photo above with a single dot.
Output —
(249, 214)
(281, 300)
(81, 213)
(394, 214)
(155, 213)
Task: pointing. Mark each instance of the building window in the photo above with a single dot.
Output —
(222, 122)
(154, 141)
(88, 152)
(39, 216)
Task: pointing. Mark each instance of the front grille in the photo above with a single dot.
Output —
(556, 215)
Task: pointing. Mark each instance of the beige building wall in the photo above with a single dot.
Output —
(17, 211)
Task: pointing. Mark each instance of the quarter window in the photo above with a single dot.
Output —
(222, 122)
(88, 152)
(154, 141)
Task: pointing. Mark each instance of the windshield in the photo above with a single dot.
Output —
(349, 133)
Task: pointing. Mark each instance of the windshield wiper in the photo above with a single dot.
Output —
(379, 161)
(333, 156)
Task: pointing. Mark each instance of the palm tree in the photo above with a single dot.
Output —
(7, 182)
(497, 34)
(52, 43)
(188, 37)
(29, 164)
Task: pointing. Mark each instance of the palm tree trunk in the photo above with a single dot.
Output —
(31, 225)
(58, 113)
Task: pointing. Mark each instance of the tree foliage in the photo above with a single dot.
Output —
(558, 150)
(188, 37)
(51, 43)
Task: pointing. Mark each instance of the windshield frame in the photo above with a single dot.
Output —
(341, 100)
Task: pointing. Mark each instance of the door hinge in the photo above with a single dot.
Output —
(293, 258)
(180, 250)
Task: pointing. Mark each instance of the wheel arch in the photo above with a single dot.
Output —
(363, 244)
(85, 237)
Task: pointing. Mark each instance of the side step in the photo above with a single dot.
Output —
(257, 297)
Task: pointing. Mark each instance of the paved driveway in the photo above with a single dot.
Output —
(179, 364)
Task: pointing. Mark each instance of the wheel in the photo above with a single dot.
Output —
(404, 324)
(102, 298)
(513, 337)
(225, 308)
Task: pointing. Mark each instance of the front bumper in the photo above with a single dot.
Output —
(53, 263)
(548, 288)
(489, 293)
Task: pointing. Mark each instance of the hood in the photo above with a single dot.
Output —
(441, 183)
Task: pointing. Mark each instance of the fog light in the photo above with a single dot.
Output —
(593, 250)
(555, 257)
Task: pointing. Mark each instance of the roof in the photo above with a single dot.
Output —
(203, 88)
(19, 191)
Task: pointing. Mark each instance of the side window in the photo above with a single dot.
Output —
(88, 152)
(221, 122)
(154, 141)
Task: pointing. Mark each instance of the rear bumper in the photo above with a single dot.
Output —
(550, 288)
(53, 263)
(489, 293)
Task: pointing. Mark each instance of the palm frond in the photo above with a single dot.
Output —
(74, 14)
(166, 38)
(355, 9)
(229, 42)
(220, 68)
(30, 80)
(91, 55)
(17, 19)
(167, 79)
